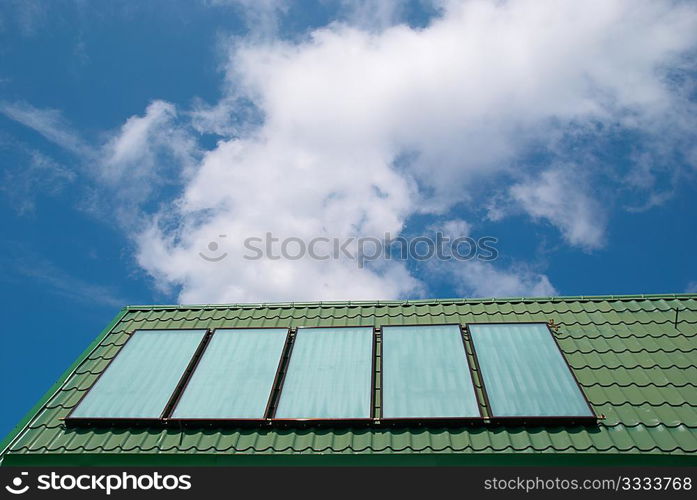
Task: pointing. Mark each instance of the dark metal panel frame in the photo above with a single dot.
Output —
(474, 370)
(69, 419)
(533, 419)
(167, 330)
(204, 423)
(374, 412)
(186, 376)
(478, 367)
(314, 327)
(424, 421)
(418, 324)
(279, 379)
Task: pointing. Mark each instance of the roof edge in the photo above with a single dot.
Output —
(9, 439)
(351, 460)
(455, 300)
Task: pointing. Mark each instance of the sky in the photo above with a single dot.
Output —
(148, 150)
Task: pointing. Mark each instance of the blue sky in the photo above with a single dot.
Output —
(134, 134)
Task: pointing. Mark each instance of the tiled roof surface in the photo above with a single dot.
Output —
(636, 362)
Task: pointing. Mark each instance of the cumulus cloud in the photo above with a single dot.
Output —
(561, 197)
(452, 228)
(144, 144)
(483, 279)
(356, 128)
(470, 91)
(363, 128)
(147, 154)
(137, 139)
(246, 188)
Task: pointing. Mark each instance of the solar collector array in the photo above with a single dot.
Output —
(332, 374)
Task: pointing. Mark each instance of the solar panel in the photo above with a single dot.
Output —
(524, 372)
(234, 378)
(140, 380)
(329, 375)
(425, 373)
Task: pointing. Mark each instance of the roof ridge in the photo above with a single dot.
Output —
(410, 302)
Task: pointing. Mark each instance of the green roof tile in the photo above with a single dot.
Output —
(637, 366)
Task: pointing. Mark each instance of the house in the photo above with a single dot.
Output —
(619, 376)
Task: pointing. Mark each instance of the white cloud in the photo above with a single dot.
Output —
(134, 143)
(47, 122)
(468, 92)
(483, 279)
(356, 127)
(453, 228)
(561, 197)
(145, 146)
(459, 102)
(146, 153)
(248, 187)
(230, 117)
(235, 279)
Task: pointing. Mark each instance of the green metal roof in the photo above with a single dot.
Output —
(634, 356)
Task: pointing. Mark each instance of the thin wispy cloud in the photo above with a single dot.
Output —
(262, 17)
(23, 264)
(38, 175)
(49, 123)
(131, 163)
(27, 15)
